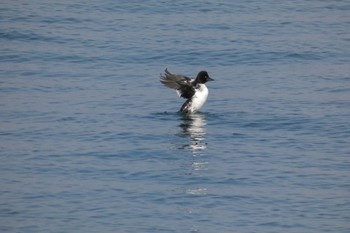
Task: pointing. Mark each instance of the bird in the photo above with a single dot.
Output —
(194, 90)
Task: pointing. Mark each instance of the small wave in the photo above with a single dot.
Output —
(304, 56)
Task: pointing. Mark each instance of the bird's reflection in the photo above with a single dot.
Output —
(194, 127)
(194, 168)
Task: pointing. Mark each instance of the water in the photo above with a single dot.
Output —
(90, 141)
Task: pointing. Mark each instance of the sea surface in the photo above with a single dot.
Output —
(91, 141)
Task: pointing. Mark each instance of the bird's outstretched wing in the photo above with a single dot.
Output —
(182, 84)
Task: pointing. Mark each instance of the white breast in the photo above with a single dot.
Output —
(199, 98)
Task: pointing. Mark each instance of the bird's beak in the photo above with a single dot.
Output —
(210, 79)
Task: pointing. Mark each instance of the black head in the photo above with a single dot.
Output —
(203, 77)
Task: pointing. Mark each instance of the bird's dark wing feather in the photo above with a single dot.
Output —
(180, 83)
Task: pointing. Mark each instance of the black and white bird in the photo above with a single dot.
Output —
(194, 90)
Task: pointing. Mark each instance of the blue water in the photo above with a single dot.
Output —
(90, 141)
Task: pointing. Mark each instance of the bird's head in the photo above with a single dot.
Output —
(203, 77)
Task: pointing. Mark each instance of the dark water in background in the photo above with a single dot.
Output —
(91, 142)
